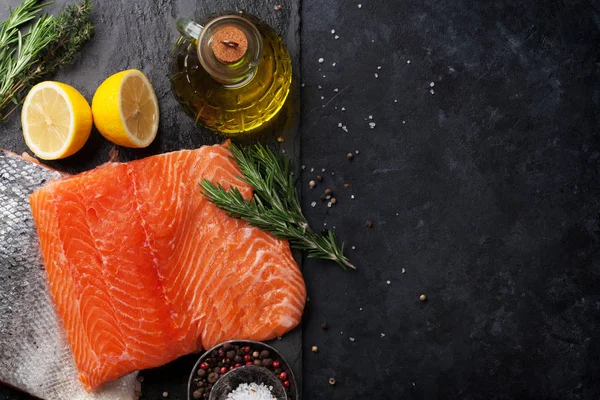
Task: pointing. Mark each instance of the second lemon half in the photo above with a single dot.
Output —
(125, 109)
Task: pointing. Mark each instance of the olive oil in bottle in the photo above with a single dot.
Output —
(232, 74)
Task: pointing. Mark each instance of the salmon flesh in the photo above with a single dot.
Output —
(143, 269)
(34, 353)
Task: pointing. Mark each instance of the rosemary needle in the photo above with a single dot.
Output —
(275, 207)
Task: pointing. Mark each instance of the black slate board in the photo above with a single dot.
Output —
(140, 34)
(488, 195)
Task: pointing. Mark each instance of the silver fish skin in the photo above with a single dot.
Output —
(34, 353)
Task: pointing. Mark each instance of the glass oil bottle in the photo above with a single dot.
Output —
(232, 74)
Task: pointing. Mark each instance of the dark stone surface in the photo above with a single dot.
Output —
(488, 196)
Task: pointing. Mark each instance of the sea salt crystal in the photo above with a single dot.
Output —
(376, 76)
(302, 84)
(319, 87)
(322, 97)
(321, 60)
(352, 339)
(432, 91)
(333, 64)
(360, 6)
(329, 204)
(356, 151)
(322, 169)
(336, 37)
(304, 167)
(379, 67)
(251, 391)
(343, 108)
(372, 125)
(324, 76)
(344, 128)
(352, 196)
(313, 204)
(382, 334)
(395, 100)
(370, 117)
(360, 309)
(432, 84)
(332, 31)
(340, 124)
(388, 282)
(312, 170)
(403, 122)
(336, 90)
(408, 61)
(403, 271)
(353, 247)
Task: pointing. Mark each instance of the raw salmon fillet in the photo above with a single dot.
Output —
(143, 269)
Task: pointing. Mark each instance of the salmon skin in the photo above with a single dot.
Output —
(34, 353)
(143, 269)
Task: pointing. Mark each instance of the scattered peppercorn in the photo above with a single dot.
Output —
(312, 184)
(277, 7)
(165, 394)
(323, 197)
(369, 224)
(315, 349)
(347, 185)
(280, 139)
(333, 200)
(332, 381)
(350, 156)
(324, 325)
(328, 192)
(423, 297)
(319, 178)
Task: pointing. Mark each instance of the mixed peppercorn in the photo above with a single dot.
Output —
(231, 356)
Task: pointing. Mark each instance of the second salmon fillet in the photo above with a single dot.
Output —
(143, 269)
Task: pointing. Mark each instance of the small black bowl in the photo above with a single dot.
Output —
(232, 379)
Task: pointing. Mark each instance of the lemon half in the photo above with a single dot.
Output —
(125, 109)
(56, 120)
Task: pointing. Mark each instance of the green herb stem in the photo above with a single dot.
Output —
(275, 206)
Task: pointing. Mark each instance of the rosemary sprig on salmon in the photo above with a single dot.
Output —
(275, 207)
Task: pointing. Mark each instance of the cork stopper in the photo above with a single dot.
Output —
(229, 44)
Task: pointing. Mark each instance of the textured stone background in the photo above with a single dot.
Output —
(485, 192)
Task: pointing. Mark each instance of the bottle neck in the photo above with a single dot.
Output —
(231, 61)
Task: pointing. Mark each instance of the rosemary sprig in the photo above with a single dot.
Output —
(49, 44)
(275, 207)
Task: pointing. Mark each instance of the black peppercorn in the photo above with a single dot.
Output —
(267, 362)
(347, 185)
(319, 178)
(221, 353)
(264, 354)
(231, 354)
(227, 346)
(328, 192)
(214, 353)
(324, 325)
(212, 377)
(238, 359)
(323, 197)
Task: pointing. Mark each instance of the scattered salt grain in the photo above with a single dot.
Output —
(322, 97)
(329, 204)
(321, 60)
(408, 61)
(372, 40)
(344, 128)
(353, 247)
(372, 125)
(352, 339)
(403, 271)
(313, 204)
(336, 37)
(336, 90)
(352, 196)
(376, 76)
(251, 391)
(356, 151)
(382, 334)
(432, 84)
(343, 108)
(432, 91)
(340, 124)
(360, 309)
(360, 6)
(395, 100)
(333, 64)
(370, 117)
(388, 282)
(312, 170)
(319, 87)
(303, 84)
(403, 122)
(324, 76)
(322, 169)
(332, 31)
(304, 167)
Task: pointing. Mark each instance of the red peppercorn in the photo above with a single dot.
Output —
(238, 365)
(275, 364)
(249, 363)
(223, 370)
(204, 366)
(230, 368)
(283, 376)
(247, 349)
(286, 384)
(247, 357)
